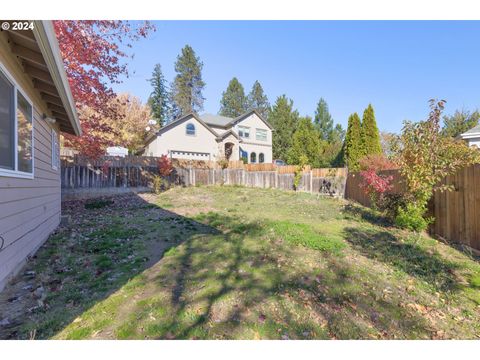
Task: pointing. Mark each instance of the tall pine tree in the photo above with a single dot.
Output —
(158, 100)
(324, 121)
(370, 133)
(188, 84)
(233, 102)
(257, 100)
(353, 148)
(284, 120)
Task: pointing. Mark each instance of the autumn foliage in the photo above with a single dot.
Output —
(92, 52)
(165, 166)
(374, 183)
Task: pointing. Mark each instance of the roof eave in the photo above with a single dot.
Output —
(48, 44)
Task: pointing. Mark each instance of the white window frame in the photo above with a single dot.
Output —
(55, 151)
(194, 129)
(243, 128)
(262, 131)
(17, 173)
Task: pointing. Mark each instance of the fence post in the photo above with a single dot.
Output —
(311, 181)
(276, 179)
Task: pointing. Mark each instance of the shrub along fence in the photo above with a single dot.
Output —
(457, 213)
(110, 175)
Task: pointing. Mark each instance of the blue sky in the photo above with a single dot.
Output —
(395, 65)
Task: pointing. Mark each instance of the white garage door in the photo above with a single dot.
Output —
(189, 155)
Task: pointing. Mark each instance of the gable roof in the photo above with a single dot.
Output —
(216, 120)
(475, 131)
(226, 133)
(174, 123)
(39, 54)
(226, 122)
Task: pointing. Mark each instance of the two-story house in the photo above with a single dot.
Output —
(213, 137)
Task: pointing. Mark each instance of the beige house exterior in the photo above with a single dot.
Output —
(35, 105)
(213, 137)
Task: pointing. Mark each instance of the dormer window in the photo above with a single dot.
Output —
(190, 129)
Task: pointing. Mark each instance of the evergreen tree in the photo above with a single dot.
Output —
(338, 134)
(257, 100)
(188, 84)
(323, 121)
(233, 102)
(460, 122)
(158, 100)
(370, 133)
(305, 142)
(284, 120)
(353, 149)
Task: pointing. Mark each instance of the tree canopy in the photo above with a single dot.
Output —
(284, 120)
(370, 133)
(257, 100)
(158, 100)
(323, 121)
(188, 84)
(93, 60)
(233, 102)
(306, 143)
(459, 122)
(353, 142)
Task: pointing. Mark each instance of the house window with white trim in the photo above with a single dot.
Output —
(16, 130)
(261, 134)
(190, 129)
(55, 151)
(253, 158)
(261, 158)
(244, 132)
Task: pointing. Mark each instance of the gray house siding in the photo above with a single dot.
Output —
(29, 208)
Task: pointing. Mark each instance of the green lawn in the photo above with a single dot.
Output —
(240, 263)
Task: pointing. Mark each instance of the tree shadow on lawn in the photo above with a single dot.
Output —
(221, 278)
(110, 241)
(356, 211)
(247, 291)
(406, 255)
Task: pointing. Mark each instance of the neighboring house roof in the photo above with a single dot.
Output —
(473, 132)
(206, 120)
(226, 122)
(174, 123)
(40, 56)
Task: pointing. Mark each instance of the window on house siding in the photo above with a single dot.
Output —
(253, 157)
(16, 130)
(244, 132)
(261, 135)
(261, 158)
(190, 129)
(7, 124)
(55, 151)
(24, 142)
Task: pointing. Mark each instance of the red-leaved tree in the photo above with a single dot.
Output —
(375, 183)
(93, 52)
(165, 166)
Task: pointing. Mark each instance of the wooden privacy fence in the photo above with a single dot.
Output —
(95, 175)
(354, 191)
(456, 213)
